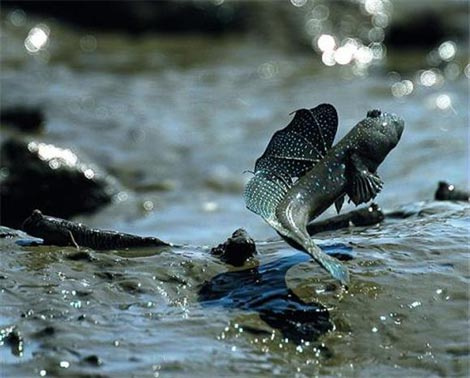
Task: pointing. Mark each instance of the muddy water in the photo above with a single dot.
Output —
(177, 121)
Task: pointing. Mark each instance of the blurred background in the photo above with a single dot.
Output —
(142, 116)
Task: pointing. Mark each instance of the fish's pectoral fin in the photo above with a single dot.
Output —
(364, 185)
(339, 203)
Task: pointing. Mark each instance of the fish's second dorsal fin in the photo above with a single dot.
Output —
(265, 190)
(301, 144)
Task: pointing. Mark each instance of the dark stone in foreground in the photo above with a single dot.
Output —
(23, 119)
(11, 337)
(263, 289)
(237, 249)
(366, 216)
(38, 175)
(448, 192)
(61, 232)
(92, 360)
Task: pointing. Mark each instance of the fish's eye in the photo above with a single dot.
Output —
(374, 113)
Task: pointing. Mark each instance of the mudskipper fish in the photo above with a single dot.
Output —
(300, 174)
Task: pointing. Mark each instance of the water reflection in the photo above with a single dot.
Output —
(263, 289)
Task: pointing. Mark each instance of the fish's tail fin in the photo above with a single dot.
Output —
(330, 264)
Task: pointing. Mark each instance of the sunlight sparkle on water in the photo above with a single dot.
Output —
(374, 6)
(17, 17)
(328, 58)
(64, 364)
(326, 42)
(402, 88)
(447, 50)
(428, 78)
(148, 205)
(37, 38)
(89, 173)
(321, 12)
(49, 151)
(298, 3)
(443, 102)
(344, 54)
(364, 55)
(467, 71)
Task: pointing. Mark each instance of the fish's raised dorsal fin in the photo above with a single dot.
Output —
(264, 191)
(302, 143)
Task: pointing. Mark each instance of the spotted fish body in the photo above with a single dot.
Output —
(296, 179)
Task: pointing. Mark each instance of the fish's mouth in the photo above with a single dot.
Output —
(399, 124)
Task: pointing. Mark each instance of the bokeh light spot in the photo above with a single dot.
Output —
(443, 102)
(326, 42)
(37, 38)
(344, 54)
(328, 58)
(89, 173)
(364, 55)
(374, 6)
(298, 3)
(148, 205)
(17, 17)
(88, 43)
(467, 70)
(447, 50)
(321, 12)
(428, 78)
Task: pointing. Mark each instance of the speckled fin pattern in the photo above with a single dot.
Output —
(301, 144)
(291, 152)
(264, 192)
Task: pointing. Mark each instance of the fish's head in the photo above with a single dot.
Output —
(377, 135)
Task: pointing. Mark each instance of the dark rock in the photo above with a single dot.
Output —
(426, 26)
(143, 16)
(46, 332)
(448, 192)
(22, 118)
(131, 286)
(365, 216)
(61, 232)
(92, 360)
(237, 249)
(39, 175)
(10, 336)
(423, 30)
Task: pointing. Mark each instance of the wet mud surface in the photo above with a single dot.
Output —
(181, 309)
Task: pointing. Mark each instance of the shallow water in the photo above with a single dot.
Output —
(406, 311)
(177, 121)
